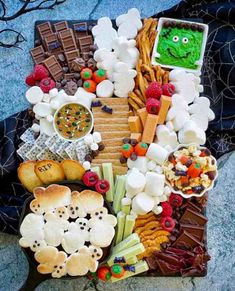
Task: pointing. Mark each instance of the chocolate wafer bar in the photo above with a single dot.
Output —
(85, 43)
(52, 42)
(38, 54)
(68, 40)
(70, 56)
(80, 30)
(44, 29)
(60, 26)
(54, 68)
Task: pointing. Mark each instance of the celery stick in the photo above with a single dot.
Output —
(121, 217)
(97, 170)
(130, 241)
(108, 175)
(129, 225)
(119, 193)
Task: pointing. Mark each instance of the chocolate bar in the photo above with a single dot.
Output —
(85, 43)
(68, 40)
(60, 26)
(80, 30)
(38, 54)
(70, 56)
(52, 42)
(187, 241)
(192, 217)
(195, 230)
(44, 29)
(54, 68)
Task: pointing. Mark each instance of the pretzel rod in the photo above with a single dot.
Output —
(138, 93)
(136, 99)
(150, 71)
(133, 104)
(141, 84)
(166, 77)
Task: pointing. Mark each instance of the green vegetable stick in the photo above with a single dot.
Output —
(129, 225)
(130, 241)
(121, 217)
(108, 175)
(126, 205)
(119, 192)
(97, 170)
(140, 267)
(127, 253)
(133, 260)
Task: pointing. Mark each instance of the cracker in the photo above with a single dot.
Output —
(73, 170)
(27, 176)
(111, 127)
(49, 171)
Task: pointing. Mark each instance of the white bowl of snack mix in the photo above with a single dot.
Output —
(190, 170)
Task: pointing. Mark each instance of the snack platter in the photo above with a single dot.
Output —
(122, 120)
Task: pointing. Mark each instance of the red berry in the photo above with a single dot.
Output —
(176, 200)
(47, 84)
(152, 106)
(102, 186)
(40, 72)
(167, 223)
(154, 90)
(30, 81)
(104, 273)
(90, 178)
(166, 209)
(168, 89)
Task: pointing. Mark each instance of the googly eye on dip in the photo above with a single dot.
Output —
(73, 121)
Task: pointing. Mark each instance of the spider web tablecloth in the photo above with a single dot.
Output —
(219, 86)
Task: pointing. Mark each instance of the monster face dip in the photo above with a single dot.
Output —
(73, 121)
(180, 44)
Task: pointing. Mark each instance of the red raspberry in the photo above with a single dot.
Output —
(40, 72)
(166, 209)
(47, 84)
(154, 90)
(90, 178)
(168, 89)
(167, 223)
(30, 81)
(152, 106)
(102, 186)
(176, 200)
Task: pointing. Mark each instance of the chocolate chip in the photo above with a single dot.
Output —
(88, 158)
(76, 76)
(95, 153)
(123, 160)
(101, 146)
(37, 42)
(126, 140)
(79, 83)
(211, 175)
(63, 82)
(133, 157)
(134, 142)
(65, 69)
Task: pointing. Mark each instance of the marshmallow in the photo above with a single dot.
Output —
(94, 146)
(191, 133)
(129, 23)
(83, 97)
(46, 98)
(105, 89)
(97, 137)
(34, 95)
(157, 209)
(140, 163)
(154, 184)
(151, 165)
(156, 200)
(88, 139)
(158, 169)
(126, 201)
(135, 182)
(142, 203)
(163, 198)
(166, 137)
(50, 118)
(42, 109)
(53, 92)
(86, 165)
(157, 153)
(46, 127)
(167, 191)
(35, 127)
(106, 61)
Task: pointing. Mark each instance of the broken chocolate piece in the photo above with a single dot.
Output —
(192, 217)
(78, 64)
(195, 230)
(187, 241)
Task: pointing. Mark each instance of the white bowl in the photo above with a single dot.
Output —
(80, 138)
(193, 194)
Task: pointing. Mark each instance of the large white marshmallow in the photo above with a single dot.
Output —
(34, 95)
(157, 153)
(105, 89)
(191, 133)
(42, 109)
(83, 97)
(142, 203)
(140, 163)
(154, 184)
(135, 182)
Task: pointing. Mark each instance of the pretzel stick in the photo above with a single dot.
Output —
(148, 69)
(166, 77)
(133, 104)
(136, 99)
(138, 93)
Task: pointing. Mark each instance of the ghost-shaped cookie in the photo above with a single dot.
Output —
(186, 84)
(178, 113)
(191, 133)
(123, 78)
(129, 23)
(102, 227)
(75, 209)
(79, 264)
(83, 228)
(166, 137)
(126, 51)
(56, 224)
(32, 232)
(201, 113)
(73, 239)
(104, 33)
(51, 261)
